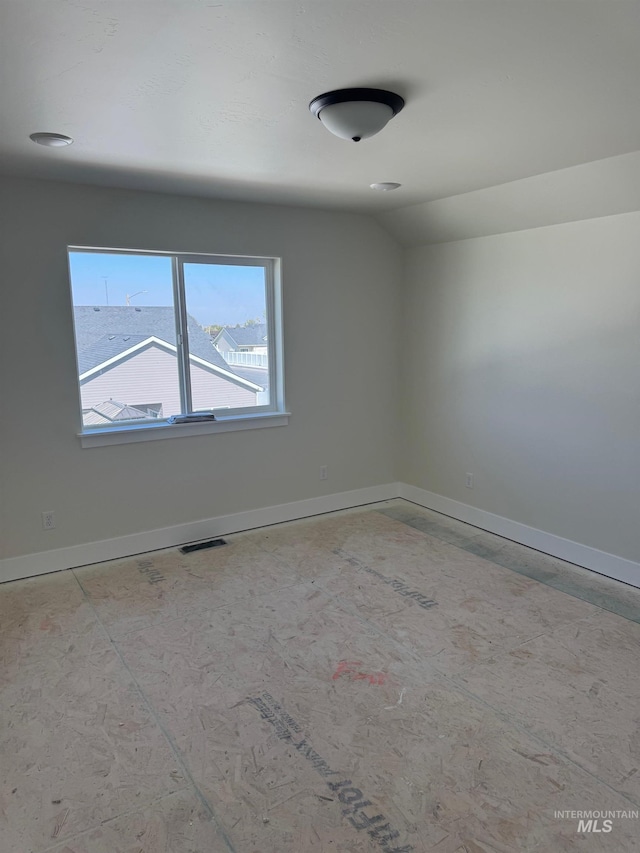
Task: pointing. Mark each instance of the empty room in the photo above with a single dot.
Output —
(320, 434)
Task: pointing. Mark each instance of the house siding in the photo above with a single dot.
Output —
(151, 376)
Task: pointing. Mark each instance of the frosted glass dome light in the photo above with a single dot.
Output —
(356, 113)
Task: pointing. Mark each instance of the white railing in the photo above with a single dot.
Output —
(246, 359)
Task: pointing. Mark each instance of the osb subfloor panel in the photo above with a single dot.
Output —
(378, 680)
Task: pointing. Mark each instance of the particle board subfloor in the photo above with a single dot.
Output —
(386, 679)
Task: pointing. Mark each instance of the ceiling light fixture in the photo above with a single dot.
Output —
(385, 186)
(51, 140)
(356, 113)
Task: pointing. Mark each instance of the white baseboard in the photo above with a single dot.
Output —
(29, 565)
(601, 562)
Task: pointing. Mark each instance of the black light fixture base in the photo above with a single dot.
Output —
(340, 96)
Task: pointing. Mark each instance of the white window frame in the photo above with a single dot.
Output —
(250, 417)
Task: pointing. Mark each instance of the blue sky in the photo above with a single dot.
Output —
(215, 294)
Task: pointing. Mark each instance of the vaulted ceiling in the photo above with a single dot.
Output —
(212, 98)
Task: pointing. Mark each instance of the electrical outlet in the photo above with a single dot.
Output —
(48, 520)
(469, 482)
(324, 472)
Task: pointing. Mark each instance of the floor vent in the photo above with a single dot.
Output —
(200, 546)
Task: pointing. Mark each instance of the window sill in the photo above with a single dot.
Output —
(155, 432)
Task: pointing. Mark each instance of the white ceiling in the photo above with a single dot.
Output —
(212, 98)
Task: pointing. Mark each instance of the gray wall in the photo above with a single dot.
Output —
(518, 353)
(341, 274)
(522, 365)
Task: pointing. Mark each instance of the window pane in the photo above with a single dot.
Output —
(125, 337)
(228, 340)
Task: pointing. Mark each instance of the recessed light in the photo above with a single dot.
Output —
(385, 187)
(51, 140)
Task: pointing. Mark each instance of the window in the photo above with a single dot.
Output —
(159, 335)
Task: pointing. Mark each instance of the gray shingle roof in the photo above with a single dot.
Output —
(110, 411)
(101, 333)
(257, 375)
(248, 336)
(106, 347)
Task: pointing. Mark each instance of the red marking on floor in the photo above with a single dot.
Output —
(353, 673)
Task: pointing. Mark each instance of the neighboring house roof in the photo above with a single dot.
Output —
(93, 322)
(106, 348)
(107, 333)
(245, 336)
(110, 411)
(258, 375)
